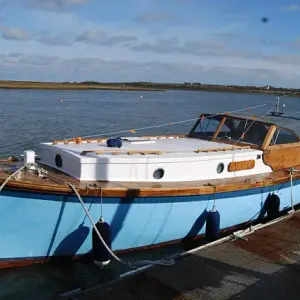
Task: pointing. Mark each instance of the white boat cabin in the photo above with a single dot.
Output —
(217, 147)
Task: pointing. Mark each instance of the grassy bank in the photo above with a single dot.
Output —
(71, 86)
(147, 86)
(223, 88)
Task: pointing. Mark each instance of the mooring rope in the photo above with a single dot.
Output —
(171, 123)
(291, 173)
(44, 173)
(11, 176)
(160, 262)
(95, 227)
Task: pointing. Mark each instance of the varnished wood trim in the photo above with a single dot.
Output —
(8, 159)
(241, 165)
(219, 128)
(133, 152)
(282, 156)
(166, 136)
(123, 189)
(158, 152)
(283, 146)
(268, 137)
(104, 139)
(222, 149)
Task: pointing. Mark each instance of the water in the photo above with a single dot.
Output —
(28, 117)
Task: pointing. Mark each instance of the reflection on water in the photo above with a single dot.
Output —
(30, 117)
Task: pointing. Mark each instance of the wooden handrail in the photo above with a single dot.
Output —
(104, 139)
(159, 152)
(121, 152)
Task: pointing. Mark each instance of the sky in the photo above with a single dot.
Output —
(206, 41)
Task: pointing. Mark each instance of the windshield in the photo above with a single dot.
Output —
(233, 129)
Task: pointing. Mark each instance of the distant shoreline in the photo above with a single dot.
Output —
(146, 86)
(29, 85)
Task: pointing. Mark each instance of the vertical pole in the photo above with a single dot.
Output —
(292, 198)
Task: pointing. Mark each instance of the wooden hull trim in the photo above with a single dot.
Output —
(152, 190)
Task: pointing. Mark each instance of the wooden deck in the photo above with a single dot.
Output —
(266, 266)
(55, 183)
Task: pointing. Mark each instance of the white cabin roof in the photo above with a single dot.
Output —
(176, 158)
(168, 147)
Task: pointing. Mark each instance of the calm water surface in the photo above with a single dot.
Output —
(30, 117)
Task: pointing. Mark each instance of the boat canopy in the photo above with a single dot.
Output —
(242, 130)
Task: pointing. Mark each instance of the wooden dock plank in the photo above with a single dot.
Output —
(266, 266)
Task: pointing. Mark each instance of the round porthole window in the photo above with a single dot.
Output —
(220, 168)
(58, 161)
(158, 174)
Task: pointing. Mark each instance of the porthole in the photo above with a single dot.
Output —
(220, 168)
(58, 161)
(158, 174)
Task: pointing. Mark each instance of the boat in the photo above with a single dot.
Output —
(151, 190)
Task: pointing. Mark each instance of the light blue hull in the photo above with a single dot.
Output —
(40, 225)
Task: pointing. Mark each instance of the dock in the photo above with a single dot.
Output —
(258, 263)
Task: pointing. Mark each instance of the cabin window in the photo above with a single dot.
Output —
(158, 174)
(245, 131)
(283, 136)
(58, 161)
(220, 168)
(234, 129)
(208, 126)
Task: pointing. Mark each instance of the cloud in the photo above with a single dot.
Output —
(192, 47)
(21, 60)
(36, 67)
(92, 37)
(17, 34)
(292, 7)
(54, 5)
(151, 17)
(64, 39)
(99, 37)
